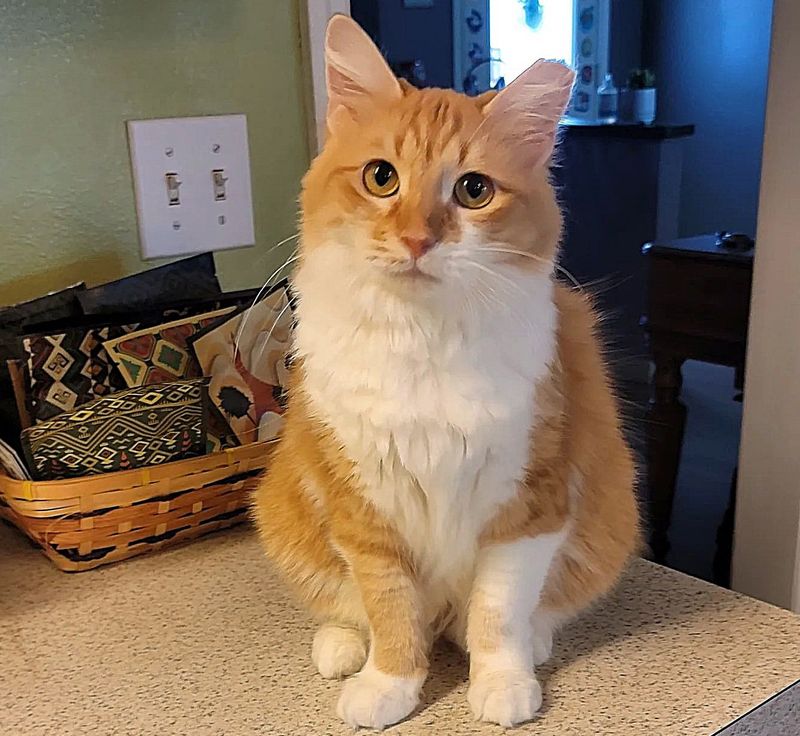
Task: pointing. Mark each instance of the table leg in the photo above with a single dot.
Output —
(666, 420)
(724, 551)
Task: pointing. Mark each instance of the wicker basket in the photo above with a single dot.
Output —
(83, 523)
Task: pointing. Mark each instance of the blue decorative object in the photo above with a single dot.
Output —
(587, 19)
(474, 21)
(533, 13)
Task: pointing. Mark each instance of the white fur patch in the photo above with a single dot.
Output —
(373, 699)
(430, 387)
(509, 579)
(338, 651)
(506, 697)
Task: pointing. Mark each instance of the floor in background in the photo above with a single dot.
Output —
(710, 451)
(710, 455)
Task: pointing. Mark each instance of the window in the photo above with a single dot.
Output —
(521, 31)
(495, 40)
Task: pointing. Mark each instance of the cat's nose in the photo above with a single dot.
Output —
(418, 245)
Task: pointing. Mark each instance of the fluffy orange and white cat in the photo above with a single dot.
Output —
(452, 461)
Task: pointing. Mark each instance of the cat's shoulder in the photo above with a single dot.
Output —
(578, 316)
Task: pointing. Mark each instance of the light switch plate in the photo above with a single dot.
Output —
(176, 158)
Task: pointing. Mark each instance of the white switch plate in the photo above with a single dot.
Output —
(192, 148)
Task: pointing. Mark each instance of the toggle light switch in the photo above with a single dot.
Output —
(192, 183)
(219, 179)
(173, 189)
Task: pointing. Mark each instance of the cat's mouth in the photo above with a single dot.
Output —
(415, 273)
(411, 269)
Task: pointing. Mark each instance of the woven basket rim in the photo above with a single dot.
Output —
(26, 490)
(109, 517)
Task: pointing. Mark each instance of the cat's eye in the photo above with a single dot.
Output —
(380, 178)
(473, 190)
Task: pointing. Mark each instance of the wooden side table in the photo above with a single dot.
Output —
(697, 307)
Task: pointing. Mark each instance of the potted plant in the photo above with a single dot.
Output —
(642, 86)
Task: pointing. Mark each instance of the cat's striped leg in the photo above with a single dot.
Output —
(506, 591)
(387, 688)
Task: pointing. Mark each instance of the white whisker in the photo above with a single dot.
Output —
(283, 242)
(491, 296)
(496, 275)
(269, 334)
(577, 284)
(267, 284)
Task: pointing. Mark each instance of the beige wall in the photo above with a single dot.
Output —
(768, 508)
(71, 73)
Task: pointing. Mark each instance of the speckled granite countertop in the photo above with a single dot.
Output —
(202, 641)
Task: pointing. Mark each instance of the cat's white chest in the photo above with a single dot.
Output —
(436, 415)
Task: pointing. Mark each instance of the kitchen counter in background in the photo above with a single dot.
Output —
(203, 640)
(654, 132)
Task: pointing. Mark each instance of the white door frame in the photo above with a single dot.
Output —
(316, 14)
(766, 559)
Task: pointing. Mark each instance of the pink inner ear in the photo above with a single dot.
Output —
(342, 91)
(530, 108)
(355, 68)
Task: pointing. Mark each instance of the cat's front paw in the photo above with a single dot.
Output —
(338, 651)
(372, 699)
(506, 697)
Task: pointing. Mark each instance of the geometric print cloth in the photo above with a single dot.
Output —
(70, 368)
(143, 426)
(163, 353)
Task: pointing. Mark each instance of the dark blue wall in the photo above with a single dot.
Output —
(407, 34)
(711, 59)
(625, 38)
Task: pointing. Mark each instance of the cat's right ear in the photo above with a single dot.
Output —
(356, 73)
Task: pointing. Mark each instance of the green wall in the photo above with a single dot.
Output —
(73, 71)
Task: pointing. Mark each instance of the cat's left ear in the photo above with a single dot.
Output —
(529, 109)
(357, 75)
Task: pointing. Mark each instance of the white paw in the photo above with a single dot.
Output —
(372, 699)
(507, 697)
(338, 651)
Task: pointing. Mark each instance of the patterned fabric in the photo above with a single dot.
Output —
(159, 354)
(70, 368)
(60, 305)
(246, 358)
(66, 361)
(144, 426)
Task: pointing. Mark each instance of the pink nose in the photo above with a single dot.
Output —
(418, 246)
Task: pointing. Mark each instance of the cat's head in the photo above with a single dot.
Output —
(431, 186)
